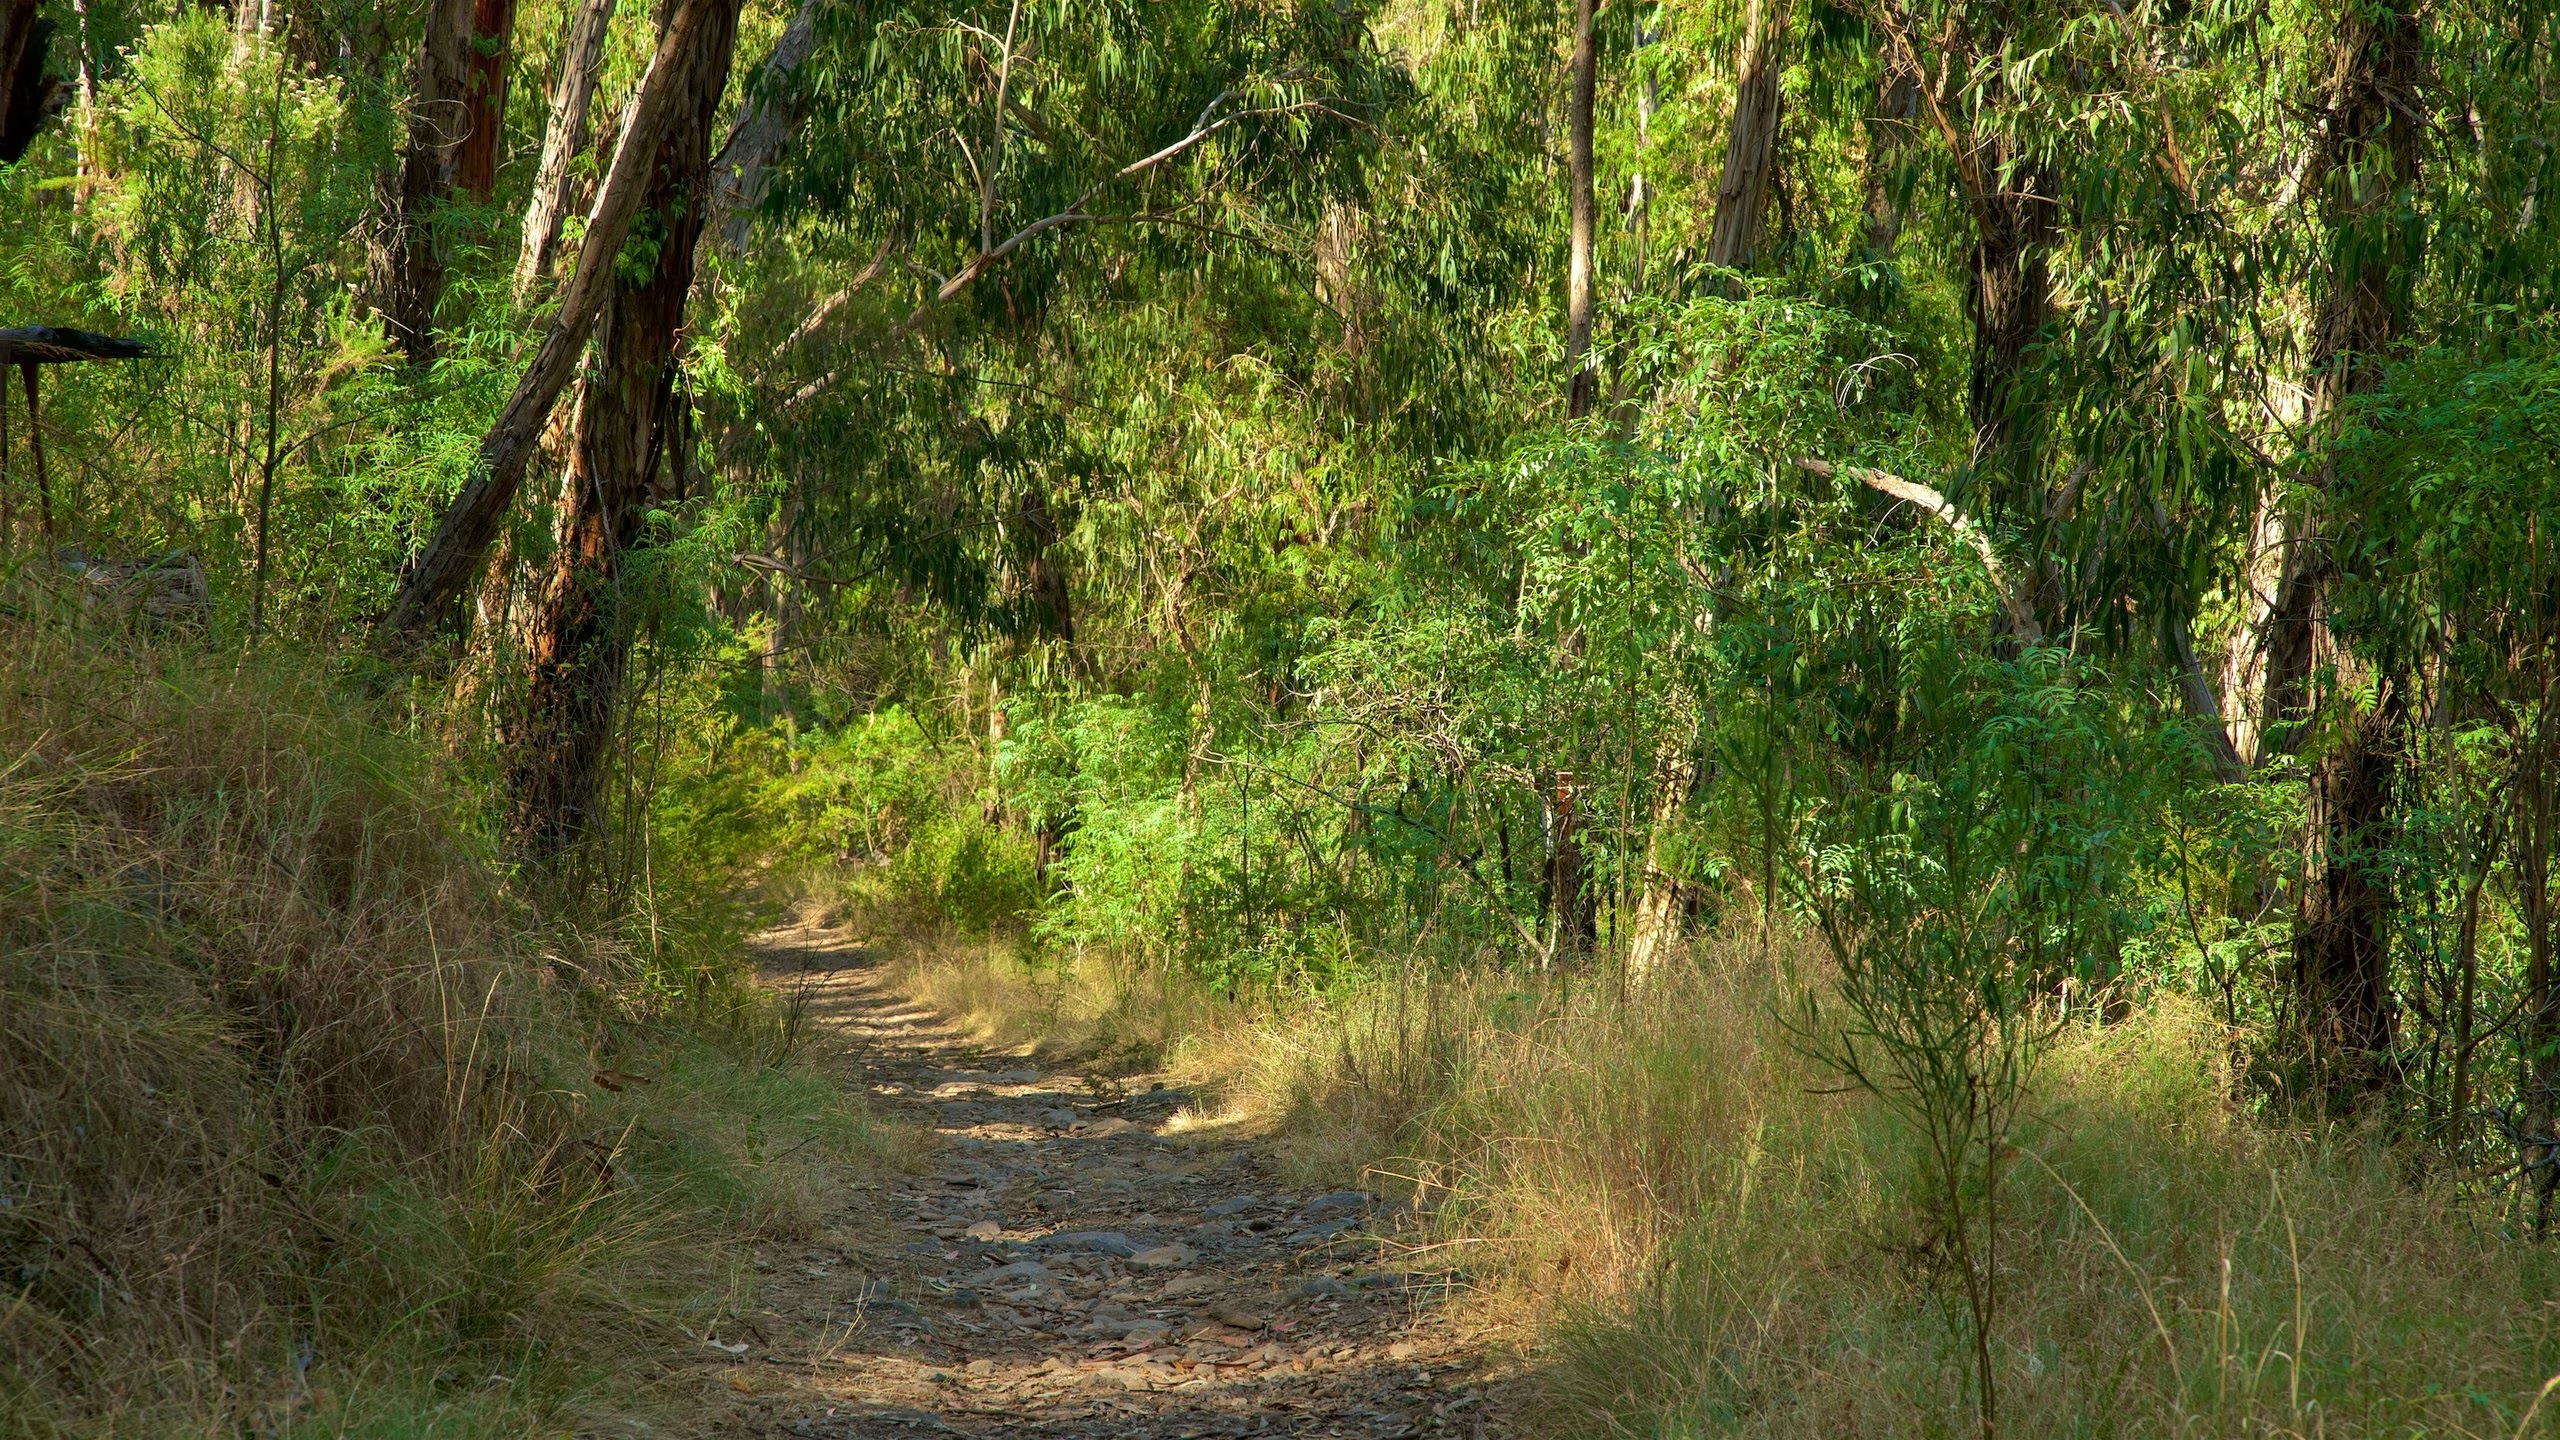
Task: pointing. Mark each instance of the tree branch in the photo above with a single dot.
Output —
(2021, 618)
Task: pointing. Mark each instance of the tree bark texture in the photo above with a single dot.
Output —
(563, 140)
(1581, 277)
(2369, 161)
(2534, 824)
(409, 259)
(1890, 131)
(580, 637)
(743, 172)
(2341, 948)
(1751, 146)
(484, 99)
(1572, 907)
(444, 567)
(2009, 296)
(1655, 926)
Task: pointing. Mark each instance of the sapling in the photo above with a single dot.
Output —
(1953, 889)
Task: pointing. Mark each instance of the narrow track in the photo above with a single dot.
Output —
(1064, 1267)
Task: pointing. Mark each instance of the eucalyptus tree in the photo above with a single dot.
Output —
(627, 436)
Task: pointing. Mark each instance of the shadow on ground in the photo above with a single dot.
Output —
(1069, 1263)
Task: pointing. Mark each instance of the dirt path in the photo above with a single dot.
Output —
(1063, 1267)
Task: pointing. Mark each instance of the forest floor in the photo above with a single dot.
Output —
(1077, 1256)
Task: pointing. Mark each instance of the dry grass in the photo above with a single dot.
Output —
(993, 989)
(299, 1123)
(1690, 1233)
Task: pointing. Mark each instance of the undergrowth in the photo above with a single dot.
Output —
(308, 1123)
(1692, 1230)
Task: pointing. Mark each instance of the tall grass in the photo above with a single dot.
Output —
(1694, 1230)
(300, 1113)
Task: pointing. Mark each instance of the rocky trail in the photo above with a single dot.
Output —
(1063, 1266)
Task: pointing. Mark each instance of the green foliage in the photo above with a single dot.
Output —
(1120, 499)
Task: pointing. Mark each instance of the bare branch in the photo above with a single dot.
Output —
(2021, 618)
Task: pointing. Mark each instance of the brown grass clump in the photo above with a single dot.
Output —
(297, 1123)
(262, 1003)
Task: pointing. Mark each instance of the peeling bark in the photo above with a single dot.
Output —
(2342, 926)
(484, 99)
(1752, 145)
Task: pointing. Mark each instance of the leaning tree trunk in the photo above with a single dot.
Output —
(1752, 145)
(580, 638)
(581, 62)
(1581, 277)
(442, 569)
(2368, 163)
(484, 99)
(409, 257)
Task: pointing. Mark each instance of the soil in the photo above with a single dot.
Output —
(1068, 1263)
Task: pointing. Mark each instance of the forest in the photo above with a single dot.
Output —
(1853, 705)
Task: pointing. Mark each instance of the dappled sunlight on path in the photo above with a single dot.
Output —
(1064, 1265)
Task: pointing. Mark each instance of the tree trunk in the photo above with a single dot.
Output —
(1753, 143)
(1051, 609)
(2369, 159)
(1889, 135)
(437, 577)
(2541, 1001)
(744, 169)
(409, 258)
(2342, 928)
(581, 62)
(1623, 412)
(2341, 950)
(28, 95)
(1572, 907)
(1656, 923)
(2203, 705)
(484, 99)
(2009, 295)
(580, 638)
(1581, 279)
